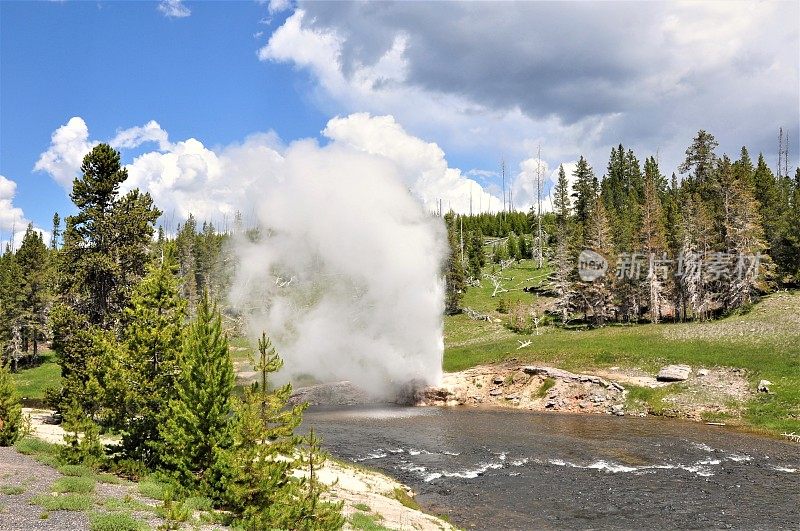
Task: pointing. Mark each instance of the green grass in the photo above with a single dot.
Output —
(155, 489)
(63, 502)
(115, 522)
(773, 356)
(407, 501)
(547, 384)
(32, 382)
(78, 485)
(366, 522)
(76, 470)
(127, 503)
(651, 399)
(44, 452)
(12, 490)
(362, 507)
(522, 274)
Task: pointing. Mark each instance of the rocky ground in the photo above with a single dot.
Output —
(718, 390)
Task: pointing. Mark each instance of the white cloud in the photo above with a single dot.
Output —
(423, 164)
(173, 9)
(136, 136)
(13, 222)
(187, 177)
(68, 145)
(276, 6)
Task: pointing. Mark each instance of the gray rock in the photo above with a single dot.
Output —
(674, 373)
(497, 380)
(763, 386)
(618, 409)
(702, 372)
(617, 386)
(496, 392)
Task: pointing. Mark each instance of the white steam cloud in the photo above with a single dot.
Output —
(347, 280)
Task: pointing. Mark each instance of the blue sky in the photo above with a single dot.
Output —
(120, 64)
(481, 81)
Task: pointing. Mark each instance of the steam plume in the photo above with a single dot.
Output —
(346, 277)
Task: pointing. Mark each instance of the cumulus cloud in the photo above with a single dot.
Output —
(506, 78)
(136, 136)
(68, 145)
(187, 177)
(174, 9)
(13, 222)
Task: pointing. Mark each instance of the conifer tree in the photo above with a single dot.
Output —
(11, 420)
(653, 241)
(104, 253)
(700, 158)
(744, 237)
(597, 295)
(12, 302)
(32, 258)
(584, 190)
(476, 257)
(81, 436)
(696, 295)
(454, 272)
(512, 246)
(263, 488)
(152, 343)
(561, 195)
(197, 424)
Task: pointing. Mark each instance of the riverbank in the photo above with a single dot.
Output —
(706, 393)
(742, 350)
(372, 500)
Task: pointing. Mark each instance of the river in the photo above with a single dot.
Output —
(506, 469)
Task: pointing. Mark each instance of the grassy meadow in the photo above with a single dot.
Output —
(765, 341)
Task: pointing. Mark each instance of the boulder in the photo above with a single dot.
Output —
(763, 386)
(497, 380)
(674, 373)
(702, 372)
(618, 409)
(496, 392)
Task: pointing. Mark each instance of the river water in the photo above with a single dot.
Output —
(505, 469)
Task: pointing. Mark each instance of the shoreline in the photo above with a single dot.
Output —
(366, 492)
(716, 396)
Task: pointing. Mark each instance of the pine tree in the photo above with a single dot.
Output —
(653, 241)
(104, 254)
(585, 190)
(700, 158)
(11, 419)
(12, 302)
(454, 273)
(197, 424)
(476, 257)
(512, 245)
(152, 343)
(263, 487)
(561, 194)
(597, 295)
(697, 232)
(81, 437)
(744, 237)
(32, 258)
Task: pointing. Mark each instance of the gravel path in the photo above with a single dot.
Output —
(16, 511)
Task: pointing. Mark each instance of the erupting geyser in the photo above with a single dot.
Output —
(346, 277)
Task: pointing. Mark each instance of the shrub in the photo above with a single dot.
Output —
(114, 522)
(12, 423)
